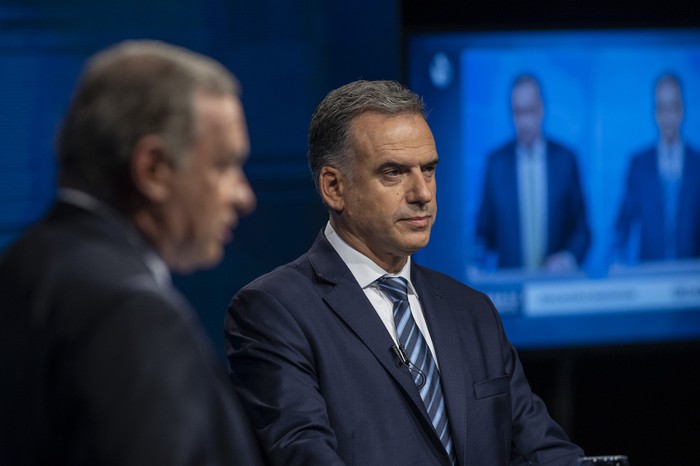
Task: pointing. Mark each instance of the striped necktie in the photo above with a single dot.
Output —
(424, 371)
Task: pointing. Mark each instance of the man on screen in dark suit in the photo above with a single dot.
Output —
(533, 213)
(102, 361)
(353, 354)
(661, 205)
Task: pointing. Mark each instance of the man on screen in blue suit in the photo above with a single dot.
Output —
(532, 214)
(353, 354)
(660, 213)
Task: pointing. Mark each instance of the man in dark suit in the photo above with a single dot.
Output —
(660, 212)
(353, 353)
(103, 362)
(532, 213)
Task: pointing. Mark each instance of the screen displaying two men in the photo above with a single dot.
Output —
(569, 180)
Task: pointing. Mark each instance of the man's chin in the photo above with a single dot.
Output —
(416, 245)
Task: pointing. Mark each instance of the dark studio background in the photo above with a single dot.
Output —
(641, 401)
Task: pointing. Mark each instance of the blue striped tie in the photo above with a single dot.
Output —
(424, 371)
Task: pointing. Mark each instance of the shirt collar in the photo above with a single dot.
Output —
(365, 271)
(537, 150)
(674, 148)
(670, 159)
(153, 262)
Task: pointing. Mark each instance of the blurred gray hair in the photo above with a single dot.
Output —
(128, 91)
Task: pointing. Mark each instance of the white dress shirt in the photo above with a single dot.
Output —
(670, 161)
(532, 196)
(366, 272)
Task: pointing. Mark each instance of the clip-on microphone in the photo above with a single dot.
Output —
(403, 360)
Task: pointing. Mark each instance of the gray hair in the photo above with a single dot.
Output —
(330, 125)
(130, 90)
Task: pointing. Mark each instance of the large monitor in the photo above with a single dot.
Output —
(598, 94)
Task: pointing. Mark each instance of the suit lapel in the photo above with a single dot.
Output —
(348, 301)
(443, 328)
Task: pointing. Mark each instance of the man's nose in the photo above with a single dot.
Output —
(421, 188)
(243, 196)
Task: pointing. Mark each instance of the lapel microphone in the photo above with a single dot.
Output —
(403, 360)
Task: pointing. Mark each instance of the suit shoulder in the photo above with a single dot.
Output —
(561, 149)
(283, 277)
(67, 256)
(692, 152)
(77, 274)
(502, 152)
(648, 152)
(643, 157)
(447, 283)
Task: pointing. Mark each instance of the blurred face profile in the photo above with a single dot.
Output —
(389, 206)
(209, 190)
(526, 105)
(669, 110)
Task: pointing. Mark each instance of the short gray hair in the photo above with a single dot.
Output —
(125, 92)
(330, 124)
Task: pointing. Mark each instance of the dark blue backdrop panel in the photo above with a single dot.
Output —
(287, 54)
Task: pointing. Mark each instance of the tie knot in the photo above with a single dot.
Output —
(396, 288)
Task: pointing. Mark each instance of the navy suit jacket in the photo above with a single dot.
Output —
(498, 222)
(311, 360)
(102, 364)
(643, 207)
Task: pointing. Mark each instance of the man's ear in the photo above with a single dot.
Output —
(152, 168)
(332, 186)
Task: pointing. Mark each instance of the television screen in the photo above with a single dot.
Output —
(569, 178)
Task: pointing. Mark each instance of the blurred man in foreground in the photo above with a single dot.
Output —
(103, 361)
